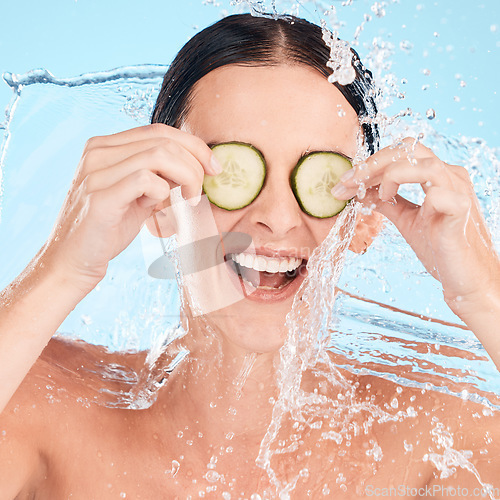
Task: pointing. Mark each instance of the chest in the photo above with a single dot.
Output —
(128, 460)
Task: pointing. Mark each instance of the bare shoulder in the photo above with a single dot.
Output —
(454, 436)
(60, 390)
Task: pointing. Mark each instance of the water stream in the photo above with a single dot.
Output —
(387, 321)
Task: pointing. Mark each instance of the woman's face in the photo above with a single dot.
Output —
(284, 111)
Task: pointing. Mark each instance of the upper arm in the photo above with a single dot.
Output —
(471, 462)
(21, 463)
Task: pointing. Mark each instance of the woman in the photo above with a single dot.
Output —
(261, 82)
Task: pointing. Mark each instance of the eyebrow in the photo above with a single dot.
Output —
(302, 156)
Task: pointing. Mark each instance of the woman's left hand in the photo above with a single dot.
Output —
(447, 232)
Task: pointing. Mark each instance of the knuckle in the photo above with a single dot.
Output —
(92, 143)
(194, 176)
(432, 193)
(201, 144)
(169, 145)
(91, 157)
(158, 128)
(462, 172)
(158, 153)
(463, 203)
(143, 176)
(87, 185)
(94, 202)
(391, 173)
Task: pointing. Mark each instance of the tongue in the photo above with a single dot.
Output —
(271, 280)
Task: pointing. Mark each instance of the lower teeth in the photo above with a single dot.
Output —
(264, 287)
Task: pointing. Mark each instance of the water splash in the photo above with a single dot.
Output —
(317, 334)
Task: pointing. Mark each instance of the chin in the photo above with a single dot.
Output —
(253, 326)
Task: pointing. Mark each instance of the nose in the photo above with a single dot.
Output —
(276, 211)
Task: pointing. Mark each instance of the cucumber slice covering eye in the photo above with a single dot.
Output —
(312, 180)
(242, 177)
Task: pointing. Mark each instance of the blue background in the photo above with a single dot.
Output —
(70, 37)
(434, 45)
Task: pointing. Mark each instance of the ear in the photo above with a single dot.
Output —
(161, 223)
(367, 228)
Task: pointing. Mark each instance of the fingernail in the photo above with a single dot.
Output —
(215, 165)
(195, 200)
(348, 175)
(338, 191)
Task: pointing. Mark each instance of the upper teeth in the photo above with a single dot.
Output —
(267, 264)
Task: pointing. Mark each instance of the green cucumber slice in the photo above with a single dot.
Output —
(312, 180)
(242, 177)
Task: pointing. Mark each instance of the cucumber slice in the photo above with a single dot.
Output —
(242, 177)
(312, 180)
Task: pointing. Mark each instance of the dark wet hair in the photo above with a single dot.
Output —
(259, 41)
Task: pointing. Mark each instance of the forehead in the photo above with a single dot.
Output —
(290, 107)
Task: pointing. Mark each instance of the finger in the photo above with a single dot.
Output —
(427, 172)
(400, 211)
(408, 149)
(193, 144)
(104, 157)
(111, 203)
(176, 167)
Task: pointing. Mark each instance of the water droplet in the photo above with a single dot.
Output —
(405, 45)
(378, 9)
(394, 403)
(493, 28)
(407, 446)
(180, 434)
(212, 476)
(431, 114)
(426, 71)
(174, 468)
(123, 495)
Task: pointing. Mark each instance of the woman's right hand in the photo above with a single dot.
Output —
(121, 180)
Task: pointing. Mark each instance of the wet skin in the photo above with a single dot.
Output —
(59, 446)
(57, 443)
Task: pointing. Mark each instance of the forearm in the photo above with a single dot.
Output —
(482, 316)
(31, 310)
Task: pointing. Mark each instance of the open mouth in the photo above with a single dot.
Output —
(263, 273)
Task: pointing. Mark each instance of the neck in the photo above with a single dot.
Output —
(221, 392)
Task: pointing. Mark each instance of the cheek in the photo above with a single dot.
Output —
(320, 228)
(226, 220)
